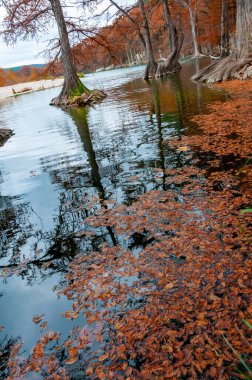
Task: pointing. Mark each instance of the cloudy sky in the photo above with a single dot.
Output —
(21, 54)
(27, 52)
(24, 52)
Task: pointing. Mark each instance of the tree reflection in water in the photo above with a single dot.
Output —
(81, 192)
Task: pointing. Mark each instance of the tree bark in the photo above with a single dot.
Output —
(244, 28)
(72, 84)
(169, 23)
(194, 31)
(151, 67)
(224, 28)
(171, 66)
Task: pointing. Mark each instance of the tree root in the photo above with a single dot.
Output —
(150, 70)
(167, 68)
(79, 101)
(227, 68)
(171, 65)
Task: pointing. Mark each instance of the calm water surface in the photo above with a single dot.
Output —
(57, 162)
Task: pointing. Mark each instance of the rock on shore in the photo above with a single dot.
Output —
(5, 134)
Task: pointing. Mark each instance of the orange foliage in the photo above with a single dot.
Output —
(119, 43)
(25, 74)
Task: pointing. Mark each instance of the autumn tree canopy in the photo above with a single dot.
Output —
(125, 36)
(143, 33)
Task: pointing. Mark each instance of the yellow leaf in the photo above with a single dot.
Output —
(73, 352)
(182, 148)
(169, 286)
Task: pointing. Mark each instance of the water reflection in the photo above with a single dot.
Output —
(80, 119)
(61, 167)
(6, 344)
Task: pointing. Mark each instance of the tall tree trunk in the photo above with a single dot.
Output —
(128, 57)
(151, 67)
(171, 66)
(169, 23)
(144, 38)
(239, 63)
(224, 28)
(244, 28)
(72, 84)
(194, 31)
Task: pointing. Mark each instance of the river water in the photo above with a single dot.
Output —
(60, 166)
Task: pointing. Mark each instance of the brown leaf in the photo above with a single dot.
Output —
(37, 318)
(103, 357)
(70, 315)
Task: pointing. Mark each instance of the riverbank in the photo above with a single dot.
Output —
(227, 125)
(237, 88)
(22, 88)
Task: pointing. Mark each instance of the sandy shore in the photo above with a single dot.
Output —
(7, 91)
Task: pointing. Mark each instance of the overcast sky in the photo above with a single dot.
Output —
(22, 53)
(27, 52)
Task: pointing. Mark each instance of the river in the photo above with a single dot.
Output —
(60, 166)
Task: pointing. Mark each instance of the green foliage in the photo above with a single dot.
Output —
(247, 324)
(244, 211)
(79, 90)
(242, 361)
(48, 77)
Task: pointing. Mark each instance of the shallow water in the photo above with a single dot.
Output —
(60, 166)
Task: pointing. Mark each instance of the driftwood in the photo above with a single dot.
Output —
(5, 134)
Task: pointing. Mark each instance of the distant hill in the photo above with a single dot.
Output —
(18, 68)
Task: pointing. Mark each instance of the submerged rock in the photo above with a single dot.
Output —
(5, 134)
